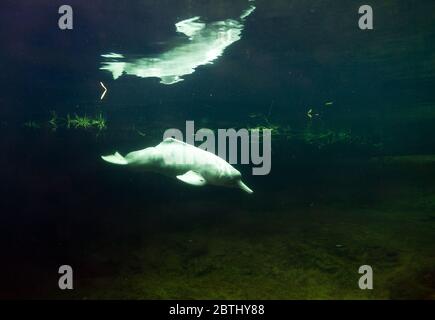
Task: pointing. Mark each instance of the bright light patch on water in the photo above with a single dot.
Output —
(112, 55)
(206, 42)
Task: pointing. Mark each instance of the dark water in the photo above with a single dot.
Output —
(351, 186)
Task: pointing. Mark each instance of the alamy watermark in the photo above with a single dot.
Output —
(365, 22)
(66, 21)
(366, 280)
(227, 145)
(66, 279)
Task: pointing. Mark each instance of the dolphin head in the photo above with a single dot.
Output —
(236, 181)
(231, 178)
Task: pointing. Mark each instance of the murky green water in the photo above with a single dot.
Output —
(353, 149)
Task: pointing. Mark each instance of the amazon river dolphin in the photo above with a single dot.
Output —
(186, 162)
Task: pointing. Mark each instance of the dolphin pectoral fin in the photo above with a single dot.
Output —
(193, 178)
(245, 188)
(115, 159)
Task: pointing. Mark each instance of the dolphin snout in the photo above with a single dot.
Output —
(244, 187)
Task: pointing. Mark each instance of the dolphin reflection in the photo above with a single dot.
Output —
(206, 42)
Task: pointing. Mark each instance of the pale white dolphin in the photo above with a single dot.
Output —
(187, 163)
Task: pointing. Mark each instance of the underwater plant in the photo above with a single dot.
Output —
(32, 125)
(79, 122)
(277, 130)
(327, 137)
(75, 122)
(264, 123)
(85, 122)
(68, 121)
(53, 121)
(273, 128)
(99, 122)
(320, 138)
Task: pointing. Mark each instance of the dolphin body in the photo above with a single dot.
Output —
(187, 163)
(205, 43)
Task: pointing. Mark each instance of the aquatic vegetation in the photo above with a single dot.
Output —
(32, 125)
(319, 138)
(53, 121)
(265, 124)
(79, 122)
(327, 137)
(85, 122)
(70, 122)
(99, 122)
(206, 42)
(275, 129)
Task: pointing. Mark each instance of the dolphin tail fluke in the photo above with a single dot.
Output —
(248, 11)
(115, 159)
(245, 188)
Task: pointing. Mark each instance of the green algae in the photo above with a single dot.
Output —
(320, 138)
(85, 122)
(99, 122)
(300, 251)
(53, 122)
(281, 266)
(77, 122)
(32, 125)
